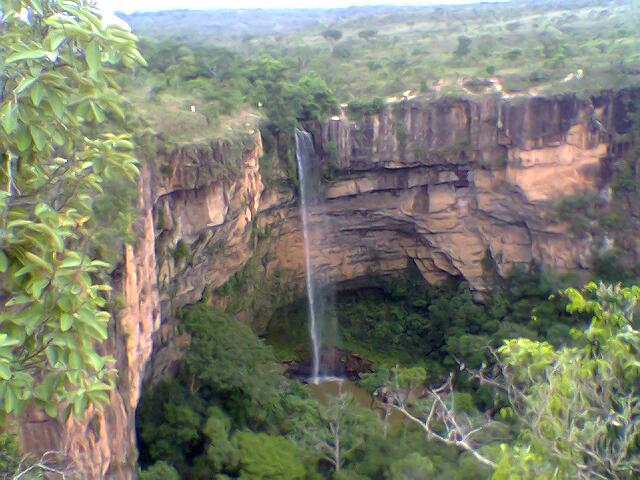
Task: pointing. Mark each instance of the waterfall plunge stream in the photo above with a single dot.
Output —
(310, 195)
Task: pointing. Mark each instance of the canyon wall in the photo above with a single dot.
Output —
(456, 187)
(453, 184)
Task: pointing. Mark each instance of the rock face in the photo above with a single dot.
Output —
(455, 187)
(198, 198)
(453, 184)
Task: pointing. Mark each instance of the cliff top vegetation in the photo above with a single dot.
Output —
(518, 48)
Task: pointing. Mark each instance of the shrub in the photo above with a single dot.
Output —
(367, 107)
(464, 46)
(367, 34)
(342, 51)
(332, 34)
(181, 251)
(159, 471)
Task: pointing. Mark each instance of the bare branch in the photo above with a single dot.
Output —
(457, 433)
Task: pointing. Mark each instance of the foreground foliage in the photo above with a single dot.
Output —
(574, 409)
(579, 406)
(61, 140)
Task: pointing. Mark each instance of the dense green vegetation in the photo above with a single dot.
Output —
(383, 51)
(195, 93)
(230, 412)
(254, 423)
(403, 320)
(406, 320)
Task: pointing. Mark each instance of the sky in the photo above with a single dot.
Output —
(129, 6)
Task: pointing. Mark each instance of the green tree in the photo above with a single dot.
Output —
(368, 34)
(229, 361)
(220, 451)
(61, 138)
(578, 405)
(169, 425)
(268, 457)
(412, 467)
(464, 46)
(341, 431)
(159, 471)
(574, 407)
(286, 102)
(332, 34)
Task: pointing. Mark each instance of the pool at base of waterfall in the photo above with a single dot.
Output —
(327, 388)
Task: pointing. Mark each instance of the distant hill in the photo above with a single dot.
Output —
(235, 24)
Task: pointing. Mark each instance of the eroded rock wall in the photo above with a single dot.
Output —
(450, 185)
(204, 204)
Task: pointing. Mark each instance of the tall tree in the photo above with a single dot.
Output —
(60, 139)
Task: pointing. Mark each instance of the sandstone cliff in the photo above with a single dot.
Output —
(453, 186)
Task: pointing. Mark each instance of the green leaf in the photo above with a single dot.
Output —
(27, 55)
(18, 300)
(56, 104)
(117, 109)
(66, 321)
(7, 341)
(99, 398)
(70, 262)
(4, 262)
(75, 360)
(42, 209)
(9, 118)
(98, 114)
(57, 137)
(52, 355)
(80, 405)
(24, 84)
(65, 303)
(5, 371)
(19, 223)
(44, 391)
(38, 261)
(93, 57)
(38, 286)
(58, 244)
(98, 330)
(96, 361)
(37, 5)
(86, 315)
(51, 409)
(38, 137)
(37, 92)
(54, 39)
(22, 138)
(10, 399)
(100, 263)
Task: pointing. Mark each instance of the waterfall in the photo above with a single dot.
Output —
(309, 178)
